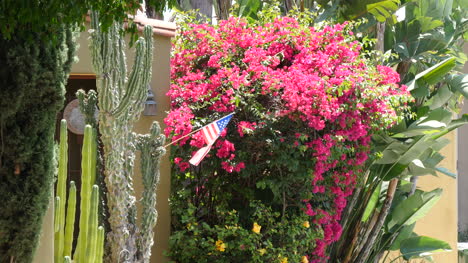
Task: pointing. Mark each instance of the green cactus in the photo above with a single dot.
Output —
(89, 238)
(70, 220)
(100, 246)
(121, 101)
(151, 147)
(61, 193)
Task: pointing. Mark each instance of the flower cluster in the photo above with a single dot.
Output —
(306, 104)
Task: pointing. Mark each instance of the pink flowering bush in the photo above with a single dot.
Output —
(306, 103)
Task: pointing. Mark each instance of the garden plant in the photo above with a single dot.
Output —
(307, 100)
(37, 49)
(90, 243)
(120, 101)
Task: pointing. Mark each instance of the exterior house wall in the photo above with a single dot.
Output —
(160, 85)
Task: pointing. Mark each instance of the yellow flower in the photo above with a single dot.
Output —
(256, 228)
(220, 246)
(304, 259)
(284, 260)
(262, 251)
(306, 224)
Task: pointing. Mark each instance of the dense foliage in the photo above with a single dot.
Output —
(36, 53)
(32, 81)
(306, 103)
(23, 17)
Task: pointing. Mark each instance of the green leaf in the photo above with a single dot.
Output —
(442, 96)
(446, 171)
(249, 8)
(433, 74)
(383, 9)
(392, 152)
(452, 126)
(413, 208)
(403, 234)
(458, 82)
(372, 203)
(422, 246)
(402, 49)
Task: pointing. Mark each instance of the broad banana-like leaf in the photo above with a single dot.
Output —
(452, 126)
(445, 171)
(249, 8)
(384, 9)
(433, 74)
(414, 150)
(413, 208)
(458, 82)
(435, 121)
(392, 152)
(372, 203)
(442, 96)
(405, 233)
(422, 246)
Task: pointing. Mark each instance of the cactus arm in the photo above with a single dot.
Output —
(100, 245)
(151, 147)
(57, 215)
(70, 221)
(93, 157)
(139, 76)
(148, 62)
(85, 193)
(134, 81)
(93, 226)
(61, 192)
(121, 102)
(95, 47)
(88, 106)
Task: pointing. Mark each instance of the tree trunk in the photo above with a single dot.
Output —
(222, 8)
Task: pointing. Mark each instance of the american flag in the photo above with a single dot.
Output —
(210, 133)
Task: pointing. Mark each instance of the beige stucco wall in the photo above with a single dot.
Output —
(160, 85)
(441, 221)
(45, 250)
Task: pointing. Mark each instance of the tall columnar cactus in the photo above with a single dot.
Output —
(90, 238)
(151, 147)
(61, 194)
(121, 101)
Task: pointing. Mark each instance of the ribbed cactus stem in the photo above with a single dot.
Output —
(70, 220)
(151, 147)
(120, 102)
(93, 226)
(86, 250)
(88, 106)
(86, 183)
(57, 215)
(100, 245)
(61, 193)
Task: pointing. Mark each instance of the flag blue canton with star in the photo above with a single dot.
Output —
(222, 123)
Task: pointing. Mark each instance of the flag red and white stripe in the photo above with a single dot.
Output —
(210, 133)
(200, 154)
